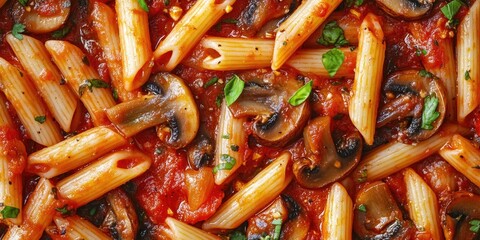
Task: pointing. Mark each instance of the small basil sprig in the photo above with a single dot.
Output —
(332, 34)
(90, 84)
(10, 212)
(233, 89)
(430, 113)
(332, 60)
(143, 5)
(41, 119)
(301, 94)
(17, 29)
(227, 162)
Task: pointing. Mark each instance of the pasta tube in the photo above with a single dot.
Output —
(338, 216)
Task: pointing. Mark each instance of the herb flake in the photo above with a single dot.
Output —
(227, 162)
(17, 29)
(467, 75)
(278, 228)
(451, 9)
(61, 33)
(90, 84)
(301, 95)
(211, 82)
(23, 2)
(143, 5)
(362, 208)
(332, 60)
(41, 119)
(475, 226)
(64, 210)
(9, 212)
(430, 113)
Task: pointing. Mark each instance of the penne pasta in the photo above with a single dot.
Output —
(392, 157)
(32, 112)
(308, 61)
(422, 204)
(82, 78)
(135, 43)
(255, 195)
(468, 56)
(74, 227)
(236, 53)
(109, 172)
(338, 216)
(47, 79)
(183, 231)
(105, 25)
(74, 152)
(463, 156)
(447, 73)
(298, 27)
(188, 32)
(12, 163)
(231, 140)
(38, 213)
(365, 95)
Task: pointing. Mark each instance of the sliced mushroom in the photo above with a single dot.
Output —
(377, 215)
(200, 152)
(170, 105)
(121, 219)
(253, 16)
(327, 161)
(406, 9)
(42, 16)
(460, 212)
(298, 222)
(276, 121)
(406, 92)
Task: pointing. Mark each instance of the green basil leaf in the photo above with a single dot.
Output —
(10, 212)
(430, 113)
(332, 60)
(475, 226)
(41, 119)
(61, 33)
(143, 5)
(17, 29)
(425, 73)
(227, 162)
(233, 89)
(451, 9)
(362, 208)
(301, 94)
(90, 84)
(332, 35)
(23, 2)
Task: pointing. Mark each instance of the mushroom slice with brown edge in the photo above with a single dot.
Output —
(253, 16)
(276, 121)
(121, 219)
(377, 215)
(170, 105)
(327, 161)
(406, 9)
(462, 216)
(410, 94)
(42, 16)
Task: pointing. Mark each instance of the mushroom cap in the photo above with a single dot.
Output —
(174, 112)
(406, 91)
(464, 208)
(276, 121)
(406, 9)
(327, 161)
(37, 22)
(381, 217)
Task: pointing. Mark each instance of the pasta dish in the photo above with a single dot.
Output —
(239, 119)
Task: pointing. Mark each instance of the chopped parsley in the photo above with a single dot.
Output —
(218, 100)
(166, 2)
(17, 29)
(226, 136)
(234, 147)
(218, 26)
(9, 212)
(467, 75)
(237, 236)
(301, 94)
(475, 226)
(210, 82)
(90, 84)
(227, 162)
(363, 176)
(350, 3)
(115, 94)
(425, 73)
(61, 33)
(143, 5)
(278, 228)
(64, 210)
(332, 35)
(420, 51)
(92, 211)
(332, 60)
(41, 119)
(23, 2)
(430, 113)
(233, 89)
(362, 208)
